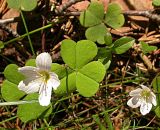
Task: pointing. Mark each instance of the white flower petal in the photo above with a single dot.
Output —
(134, 102)
(52, 74)
(145, 108)
(29, 71)
(153, 100)
(40, 79)
(135, 92)
(44, 61)
(145, 87)
(45, 94)
(54, 81)
(32, 87)
(22, 86)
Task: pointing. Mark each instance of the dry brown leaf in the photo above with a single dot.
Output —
(11, 13)
(81, 6)
(134, 4)
(3, 7)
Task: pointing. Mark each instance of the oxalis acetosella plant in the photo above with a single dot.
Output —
(39, 79)
(143, 98)
(83, 72)
(32, 84)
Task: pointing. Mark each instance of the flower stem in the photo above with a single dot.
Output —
(24, 35)
(9, 119)
(17, 102)
(67, 82)
(108, 121)
(46, 123)
(29, 39)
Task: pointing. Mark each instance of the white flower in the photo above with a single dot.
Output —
(40, 79)
(142, 97)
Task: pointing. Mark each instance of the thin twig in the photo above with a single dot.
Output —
(60, 11)
(146, 13)
(65, 6)
(43, 35)
(148, 62)
(9, 20)
(3, 26)
(138, 12)
(73, 13)
(9, 30)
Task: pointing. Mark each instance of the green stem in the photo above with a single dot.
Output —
(46, 123)
(11, 61)
(8, 119)
(24, 35)
(17, 102)
(108, 121)
(25, 25)
(67, 82)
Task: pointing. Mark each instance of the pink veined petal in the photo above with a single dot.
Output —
(45, 94)
(153, 99)
(32, 87)
(53, 81)
(135, 92)
(145, 108)
(29, 71)
(134, 102)
(44, 61)
(145, 87)
(52, 74)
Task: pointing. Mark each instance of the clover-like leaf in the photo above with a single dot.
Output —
(106, 62)
(146, 48)
(1, 45)
(93, 15)
(28, 5)
(32, 111)
(105, 56)
(15, 4)
(156, 84)
(10, 91)
(31, 62)
(68, 52)
(86, 86)
(88, 78)
(108, 39)
(67, 85)
(76, 55)
(96, 33)
(156, 2)
(11, 74)
(157, 111)
(59, 70)
(113, 16)
(122, 45)
(94, 70)
(156, 87)
(25, 5)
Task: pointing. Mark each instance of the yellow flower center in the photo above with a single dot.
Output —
(45, 75)
(145, 94)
